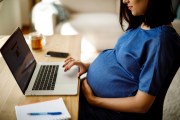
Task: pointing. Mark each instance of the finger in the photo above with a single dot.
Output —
(68, 59)
(69, 65)
(64, 65)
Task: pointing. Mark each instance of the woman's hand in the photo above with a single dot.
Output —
(88, 93)
(69, 62)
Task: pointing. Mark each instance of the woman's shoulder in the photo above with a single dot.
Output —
(169, 33)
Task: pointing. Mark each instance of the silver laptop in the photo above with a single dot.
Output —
(45, 78)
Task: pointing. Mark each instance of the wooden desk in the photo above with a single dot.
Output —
(11, 95)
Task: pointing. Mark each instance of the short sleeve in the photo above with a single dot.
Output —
(149, 80)
(159, 63)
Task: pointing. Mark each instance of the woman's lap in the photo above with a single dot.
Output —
(89, 112)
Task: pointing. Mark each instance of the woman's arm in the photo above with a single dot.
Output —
(140, 103)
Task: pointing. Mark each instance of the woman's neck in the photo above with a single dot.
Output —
(146, 27)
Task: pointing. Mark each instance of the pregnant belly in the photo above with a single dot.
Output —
(106, 77)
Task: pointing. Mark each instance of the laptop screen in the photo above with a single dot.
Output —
(19, 59)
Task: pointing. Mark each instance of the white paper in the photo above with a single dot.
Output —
(48, 106)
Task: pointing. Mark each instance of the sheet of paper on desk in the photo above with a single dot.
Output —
(43, 107)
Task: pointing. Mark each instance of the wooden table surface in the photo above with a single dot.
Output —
(10, 93)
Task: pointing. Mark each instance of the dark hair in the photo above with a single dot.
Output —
(159, 12)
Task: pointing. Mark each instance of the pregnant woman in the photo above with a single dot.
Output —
(129, 82)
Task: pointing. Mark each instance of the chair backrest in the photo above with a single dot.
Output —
(172, 99)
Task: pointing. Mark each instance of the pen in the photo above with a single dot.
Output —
(45, 113)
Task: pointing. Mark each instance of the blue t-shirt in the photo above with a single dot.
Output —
(141, 60)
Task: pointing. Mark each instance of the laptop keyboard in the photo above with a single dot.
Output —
(46, 77)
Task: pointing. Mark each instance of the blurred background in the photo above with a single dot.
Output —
(15, 13)
(97, 21)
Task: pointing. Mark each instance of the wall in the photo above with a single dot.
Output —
(25, 12)
(10, 17)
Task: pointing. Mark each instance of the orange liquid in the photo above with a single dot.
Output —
(36, 43)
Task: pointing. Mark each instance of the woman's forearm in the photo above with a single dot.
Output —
(138, 104)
